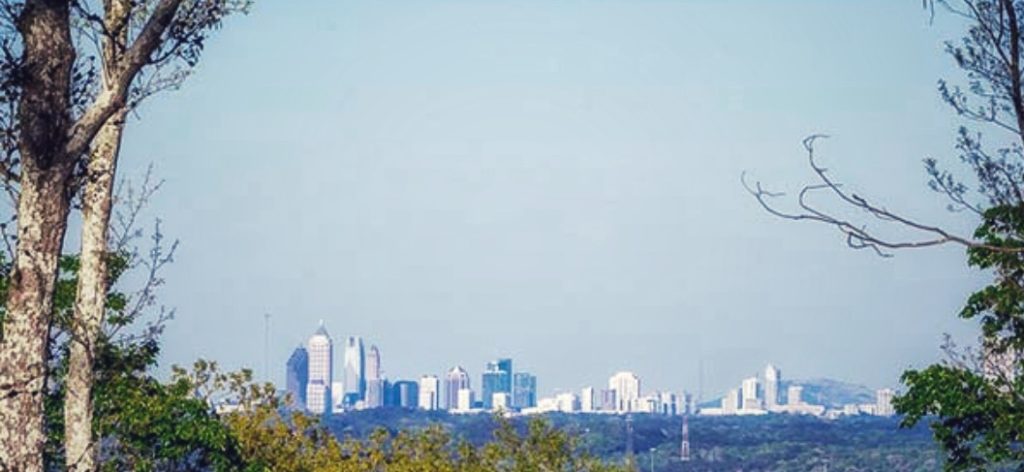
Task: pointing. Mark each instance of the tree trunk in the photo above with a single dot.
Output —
(44, 120)
(90, 300)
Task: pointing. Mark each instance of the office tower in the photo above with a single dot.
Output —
(375, 391)
(464, 402)
(321, 360)
(405, 394)
(338, 400)
(772, 377)
(297, 377)
(373, 370)
(501, 401)
(750, 400)
(456, 380)
(497, 378)
(524, 390)
(355, 368)
(731, 401)
(668, 403)
(794, 395)
(608, 400)
(588, 400)
(883, 402)
(567, 402)
(627, 390)
(430, 392)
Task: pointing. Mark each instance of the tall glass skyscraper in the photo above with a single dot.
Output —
(321, 362)
(297, 376)
(355, 368)
(524, 390)
(497, 378)
(374, 381)
(404, 394)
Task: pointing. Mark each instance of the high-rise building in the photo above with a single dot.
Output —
(375, 391)
(297, 377)
(465, 400)
(430, 392)
(772, 377)
(321, 361)
(497, 378)
(668, 404)
(608, 400)
(731, 401)
(567, 402)
(588, 400)
(750, 399)
(794, 395)
(501, 401)
(373, 371)
(338, 400)
(524, 390)
(405, 394)
(456, 380)
(883, 402)
(355, 368)
(627, 390)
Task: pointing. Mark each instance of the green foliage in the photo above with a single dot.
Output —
(977, 401)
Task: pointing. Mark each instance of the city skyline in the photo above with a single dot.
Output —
(579, 191)
(502, 388)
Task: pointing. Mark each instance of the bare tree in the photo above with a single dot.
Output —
(991, 56)
(59, 109)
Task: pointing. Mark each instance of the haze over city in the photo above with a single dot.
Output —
(556, 182)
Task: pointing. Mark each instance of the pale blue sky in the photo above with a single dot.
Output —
(556, 181)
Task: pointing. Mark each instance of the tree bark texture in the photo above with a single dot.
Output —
(44, 120)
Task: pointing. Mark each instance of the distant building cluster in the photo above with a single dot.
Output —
(312, 387)
(761, 395)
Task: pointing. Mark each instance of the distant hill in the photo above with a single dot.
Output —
(829, 392)
(832, 393)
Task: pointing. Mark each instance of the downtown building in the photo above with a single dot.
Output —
(320, 349)
(297, 377)
(376, 385)
(496, 379)
(455, 381)
(524, 390)
(355, 371)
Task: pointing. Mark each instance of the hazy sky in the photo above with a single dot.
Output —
(555, 181)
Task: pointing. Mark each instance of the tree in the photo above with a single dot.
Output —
(976, 395)
(57, 110)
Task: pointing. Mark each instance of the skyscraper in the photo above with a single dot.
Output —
(772, 377)
(627, 390)
(731, 401)
(750, 399)
(456, 379)
(374, 380)
(883, 402)
(321, 361)
(524, 390)
(405, 394)
(497, 378)
(355, 368)
(794, 395)
(297, 376)
(430, 392)
(588, 400)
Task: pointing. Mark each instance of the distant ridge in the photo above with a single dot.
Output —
(831, 393)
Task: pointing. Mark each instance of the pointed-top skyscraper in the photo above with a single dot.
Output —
(321, 362)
